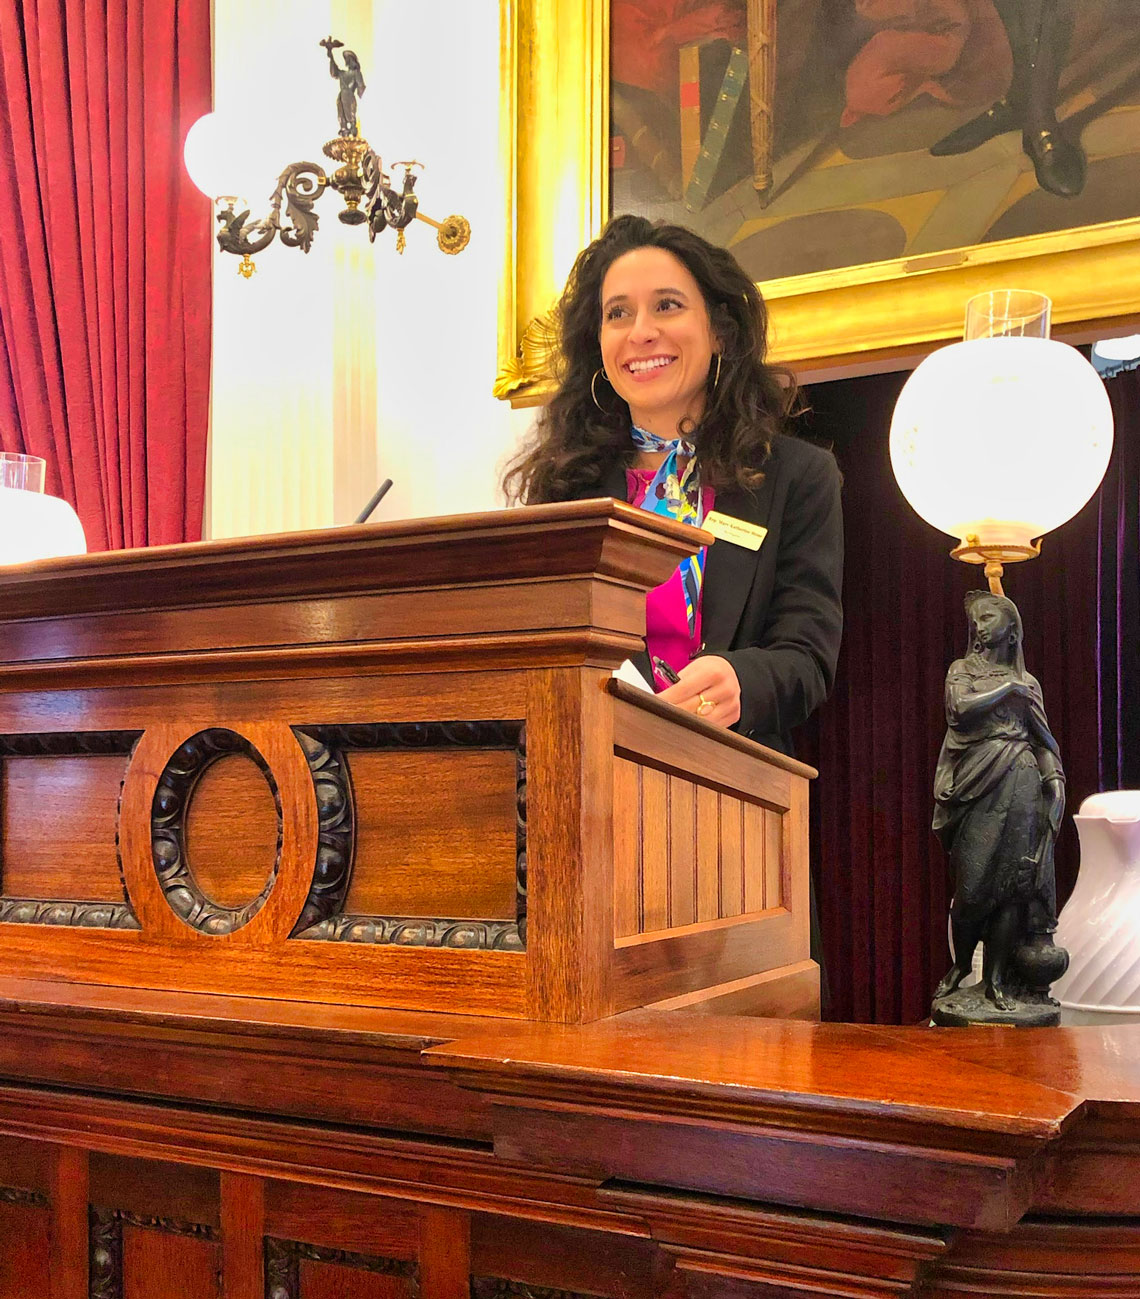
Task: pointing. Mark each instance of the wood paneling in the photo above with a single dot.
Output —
(25, 1241)
(790, 992)
(557, 1257)
(570, 836)
(231, 831)
(705, 828)
(445, 1253)
(779, 838)
(25, 1164)
(161, 1264)
(653, 967)
(732, 813)
(682, 852)
(435, 834)
(656, 835)
(150, 1189)
(628, 902)
(685, 852)
(243, 1235)
(70, 852)
(319, 1215)
(69, 1197)
(340, 1281)
(755, 824)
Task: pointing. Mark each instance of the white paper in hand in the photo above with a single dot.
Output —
(631, 675)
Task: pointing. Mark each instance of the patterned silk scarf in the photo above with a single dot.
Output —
(677, 497)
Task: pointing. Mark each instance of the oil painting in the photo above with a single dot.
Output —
(872, 163)
(814, 135)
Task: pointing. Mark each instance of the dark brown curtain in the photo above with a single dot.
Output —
(1119, 588)
(882, 884)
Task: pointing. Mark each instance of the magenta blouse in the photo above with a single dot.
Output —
(666, 624)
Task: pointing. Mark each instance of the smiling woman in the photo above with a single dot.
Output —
(656, 339)
(665, 401)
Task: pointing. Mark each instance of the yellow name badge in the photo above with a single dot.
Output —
(726, 527)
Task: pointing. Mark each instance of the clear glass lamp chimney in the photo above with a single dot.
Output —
(32, 525)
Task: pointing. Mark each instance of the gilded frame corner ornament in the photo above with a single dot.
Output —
(555, 140)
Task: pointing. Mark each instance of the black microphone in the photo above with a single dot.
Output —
(377, 497)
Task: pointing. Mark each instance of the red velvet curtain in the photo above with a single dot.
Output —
(882, 883)
(105, 259)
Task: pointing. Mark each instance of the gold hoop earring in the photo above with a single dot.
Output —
(593, 390)
(716, 377)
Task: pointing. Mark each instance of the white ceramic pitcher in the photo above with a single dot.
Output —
(1100, 923)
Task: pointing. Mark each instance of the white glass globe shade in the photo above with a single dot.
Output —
(34, 526)
(1001, 438)
(223, 163)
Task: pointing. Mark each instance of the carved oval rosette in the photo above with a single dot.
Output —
(168, 822)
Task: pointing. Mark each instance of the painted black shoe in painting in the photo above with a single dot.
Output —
(1059, 163)
(996, 120)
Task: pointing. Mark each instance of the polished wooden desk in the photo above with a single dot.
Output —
(152, 1141)
(269, 808)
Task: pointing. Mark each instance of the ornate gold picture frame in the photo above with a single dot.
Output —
(556, 139)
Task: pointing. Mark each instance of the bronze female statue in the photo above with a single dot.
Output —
(999, 798)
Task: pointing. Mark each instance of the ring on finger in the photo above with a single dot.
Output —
(705, 706)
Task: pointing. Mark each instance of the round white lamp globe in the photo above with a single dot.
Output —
(214, 158)
(35, 526)
(223, 163)
(997, 441)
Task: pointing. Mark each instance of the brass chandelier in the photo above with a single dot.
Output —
(370, 197)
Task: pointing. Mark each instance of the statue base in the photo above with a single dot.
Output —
(968, 1006)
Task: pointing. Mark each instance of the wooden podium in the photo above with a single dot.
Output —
(387, 766)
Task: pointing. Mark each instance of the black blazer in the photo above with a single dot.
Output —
(775, 613)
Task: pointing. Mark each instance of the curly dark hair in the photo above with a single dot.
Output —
(574, 444)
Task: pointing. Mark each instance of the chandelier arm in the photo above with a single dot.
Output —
(243, 237)
(452, 233)
(301, 184)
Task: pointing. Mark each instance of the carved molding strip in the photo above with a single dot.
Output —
(74, 913)
(105, 1245)
(327, 744)
(498, 1287)
(332, 870)
(413, 931)
(283, 1270)
(24, 1198)
(168, 843)
(68, 744)
(83, 915)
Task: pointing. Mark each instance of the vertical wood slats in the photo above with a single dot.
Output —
(685, 853)
(731, 856)
(708, 853)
